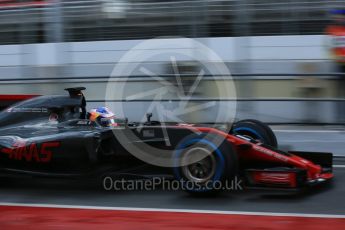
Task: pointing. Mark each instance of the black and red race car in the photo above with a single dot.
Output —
(51, 136)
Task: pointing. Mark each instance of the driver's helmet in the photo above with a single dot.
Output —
(103, 116)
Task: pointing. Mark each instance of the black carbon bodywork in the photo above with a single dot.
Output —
(51, 136)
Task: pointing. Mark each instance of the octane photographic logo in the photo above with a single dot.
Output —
(198, 88)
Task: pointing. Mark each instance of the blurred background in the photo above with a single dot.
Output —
(279, 52)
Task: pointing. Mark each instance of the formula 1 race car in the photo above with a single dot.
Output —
(52, 136)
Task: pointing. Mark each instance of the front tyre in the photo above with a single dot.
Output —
(201, 166)
(256, 130)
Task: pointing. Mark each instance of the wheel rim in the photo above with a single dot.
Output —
(202, 170)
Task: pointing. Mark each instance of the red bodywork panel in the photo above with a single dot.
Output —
(6, 4)
(283, 179)
(8, 100)
(256, 152)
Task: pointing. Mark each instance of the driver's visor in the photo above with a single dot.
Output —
(109, 121)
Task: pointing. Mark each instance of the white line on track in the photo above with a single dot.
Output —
(307, 131)
(341, 142)
(338, 166)
(192, 211)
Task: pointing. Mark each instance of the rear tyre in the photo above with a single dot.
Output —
(203, 167)
(256, 130)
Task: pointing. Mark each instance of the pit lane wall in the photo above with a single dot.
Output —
(268, 73)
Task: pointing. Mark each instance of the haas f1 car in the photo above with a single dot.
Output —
(52, 136)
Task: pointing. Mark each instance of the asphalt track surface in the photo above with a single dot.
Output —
(69, 205)
(253, 209)
(328, 199)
